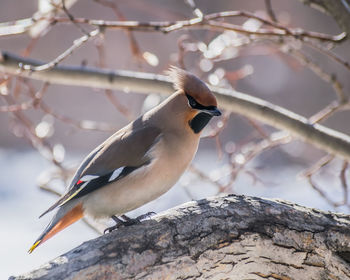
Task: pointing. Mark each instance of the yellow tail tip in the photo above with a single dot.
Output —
(34, 246)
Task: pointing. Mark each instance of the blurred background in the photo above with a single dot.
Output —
(42, 143)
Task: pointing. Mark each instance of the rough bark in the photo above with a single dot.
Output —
(227, 237)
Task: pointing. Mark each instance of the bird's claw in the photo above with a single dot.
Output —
(145, 216)
(132, 221)
(126, 221)
(110, 229)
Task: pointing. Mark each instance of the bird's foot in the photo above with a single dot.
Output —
(118, 224)
(137, 220)
(110, 229)
(127, 221)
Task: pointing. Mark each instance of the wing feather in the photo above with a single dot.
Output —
(127, 149)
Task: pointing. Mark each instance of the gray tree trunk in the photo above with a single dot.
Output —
(225, 237)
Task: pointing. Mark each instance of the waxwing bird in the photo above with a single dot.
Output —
(139, 162)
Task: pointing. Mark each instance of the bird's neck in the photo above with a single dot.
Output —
(199, 122)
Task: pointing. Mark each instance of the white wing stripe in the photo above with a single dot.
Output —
(116, 173)
(83, 185)
(88, 178)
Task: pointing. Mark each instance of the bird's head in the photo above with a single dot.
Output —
(201, 104)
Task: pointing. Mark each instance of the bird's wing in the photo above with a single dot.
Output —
(117, 157)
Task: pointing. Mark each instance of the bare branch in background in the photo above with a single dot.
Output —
(39, 23)
(203, 176)
(83, 124)
(34, 102)
(210, 22)
(322, 137)
(256, 34)
(71, 17)
(338, 9)
(344, 181)
(217, 130)
(134, 46)
(318, 165)
(331, 79)
(76, 44)
(316, 169)
(330, 201)
(195, 10)
(45, 148)
(109, 94)
(250, 151)
(328, 53)
(342, 102)
(270, 11)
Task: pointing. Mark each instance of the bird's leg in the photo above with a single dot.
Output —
(145, 216)
(132, 221)
(127, 221)
(118, 223)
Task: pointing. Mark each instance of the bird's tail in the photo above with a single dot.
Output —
(64, 217)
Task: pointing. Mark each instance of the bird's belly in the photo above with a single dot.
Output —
(144, 185)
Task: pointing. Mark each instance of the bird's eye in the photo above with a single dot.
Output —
(192, 102)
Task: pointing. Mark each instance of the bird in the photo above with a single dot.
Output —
(140, 162)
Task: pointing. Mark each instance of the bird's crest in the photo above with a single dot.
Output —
(191, 85)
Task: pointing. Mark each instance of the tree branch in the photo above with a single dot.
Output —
(231, 237)
(338, 9)
(210, 21)
(76, 44)
(320, 136)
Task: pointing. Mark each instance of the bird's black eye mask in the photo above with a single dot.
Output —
(201, 119)
(195, 105)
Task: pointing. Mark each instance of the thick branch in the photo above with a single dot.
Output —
(322, 137)
(230, 237)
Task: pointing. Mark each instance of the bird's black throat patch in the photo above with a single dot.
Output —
(199, 122)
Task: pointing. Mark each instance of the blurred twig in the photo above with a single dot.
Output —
(76, 44)
(344, 181)
(338, 9)
(319, 71)
(209, 21)
(38, 143)
(314, 185)
(328, 53)
(134, 46)
(270, 11)
(195, 10)
(216, 131)
(250, 152)
(322, 137)
(342, 102)
(318, 165)
(34, 102)
(71, 17)
(316, 168)
(109, 94)
(203, 176)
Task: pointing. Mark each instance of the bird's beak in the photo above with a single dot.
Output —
(213, 112)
